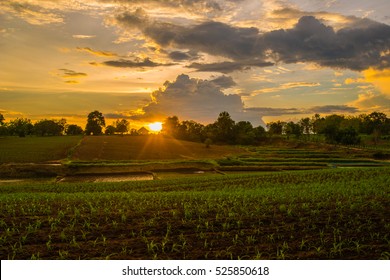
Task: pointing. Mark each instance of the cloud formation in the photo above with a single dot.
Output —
(356, 48)
(326, 109)
(33, 13)
(183, 56)
(194, 6)
(197, 99)
(137, 63)
(67, 73)
(96, 52)
(284, 87)
(224, 82)
(361, 46)
(228, 66)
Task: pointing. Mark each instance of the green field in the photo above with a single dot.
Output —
(36, 149)
(304, 209)
(321, 214)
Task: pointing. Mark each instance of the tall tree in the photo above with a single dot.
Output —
(110, 130)
(244, 134)
(171, 126)
(3, 126)
(73, 129)
(275, 127)
(376, 124)
(330, 127)
(191, 131)
(20, 127)
(224, 128)
(307, 126)
(260, 133)
(95, 123)
(122, 126)
(347, 136)
(49, 127)
(292, 128)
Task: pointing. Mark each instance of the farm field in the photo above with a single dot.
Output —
(318, 214)
(152, 147)
(300, 201)
(36, 149)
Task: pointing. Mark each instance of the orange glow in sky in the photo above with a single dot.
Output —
(256, 59)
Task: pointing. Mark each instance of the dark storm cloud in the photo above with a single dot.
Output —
(210, 37)
(326, 109)
(228, 66)
(361, 46)
(266, 111)
(334, 109)
(224, 82)
(182, 56)
(195, 6)
(117, 116)
(355, 48)
(138, 63)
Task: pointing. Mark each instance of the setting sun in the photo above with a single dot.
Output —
(156, 126)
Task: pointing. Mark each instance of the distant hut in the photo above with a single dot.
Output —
(143, 131)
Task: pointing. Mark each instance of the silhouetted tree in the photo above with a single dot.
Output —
(244, 133)
(306, 125)
(191, 131)
(260, 133)
(292, 128)
(330, 127)
(110, 130)
(347, 136)
(20, 127)
(95, 123)
(49, 127)
(275, 128)
(375, 121)
(171, 126)
(122, 126)
(224, 128)
(316, 121)
(3, 126)
(73, 129)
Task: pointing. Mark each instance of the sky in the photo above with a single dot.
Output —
(259, 60)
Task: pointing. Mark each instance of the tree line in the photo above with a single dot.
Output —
(23, 127)
(336, 129)
(50, 127)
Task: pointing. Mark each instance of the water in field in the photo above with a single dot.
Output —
(10, 181)
(135, 176)
(108, 178)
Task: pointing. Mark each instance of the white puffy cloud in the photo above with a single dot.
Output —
(198, 100)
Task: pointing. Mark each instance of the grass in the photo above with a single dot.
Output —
(322, 214)
(36, 149)
(328, 213)
(153, 147)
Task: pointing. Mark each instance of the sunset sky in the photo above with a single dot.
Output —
(260, 60)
